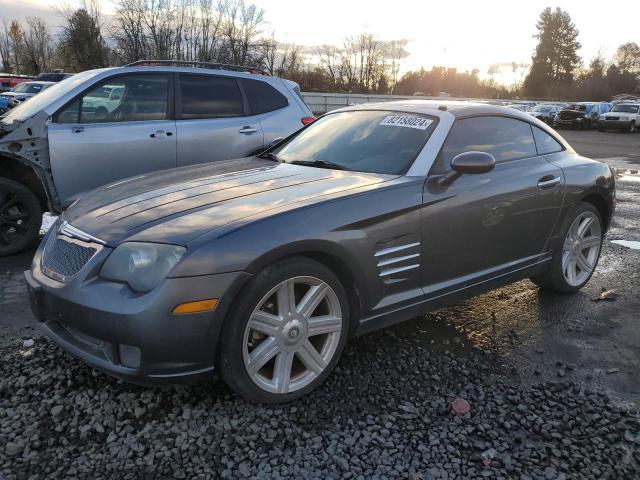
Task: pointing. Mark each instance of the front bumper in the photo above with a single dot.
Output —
(614, 123)
(131, 336)
(569, 122)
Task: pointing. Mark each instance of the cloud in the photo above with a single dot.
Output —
(22, 9)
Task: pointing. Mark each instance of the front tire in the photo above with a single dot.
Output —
(572, 266)
(632, 127)
(20, 217)
(286, 334)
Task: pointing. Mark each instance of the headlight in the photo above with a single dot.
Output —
(141, 265)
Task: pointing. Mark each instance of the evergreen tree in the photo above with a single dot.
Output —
(556, 57)
(82, 45)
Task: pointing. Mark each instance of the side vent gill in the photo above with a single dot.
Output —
(393, 261)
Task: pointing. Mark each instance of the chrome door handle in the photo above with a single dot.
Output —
(77, 129)
(248, 129)
(160, 134)
(549, 183)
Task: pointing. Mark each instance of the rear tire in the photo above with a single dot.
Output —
(20, 217)
(572, 265)
(277, 344)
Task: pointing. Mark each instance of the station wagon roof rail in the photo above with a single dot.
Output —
(186, 63)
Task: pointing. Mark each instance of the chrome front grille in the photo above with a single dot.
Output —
(67, 251)
(65, 259)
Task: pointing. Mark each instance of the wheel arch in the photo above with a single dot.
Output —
(27, 176)
(598, 201)
(335, 259)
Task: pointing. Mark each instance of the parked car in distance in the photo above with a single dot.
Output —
(56, 76)
(101, 126)
(545, 112)
(262, 267)
(583, 115)
(519, 106)
(24, 91)
(623, 116)
(10, 80)
(103, 101)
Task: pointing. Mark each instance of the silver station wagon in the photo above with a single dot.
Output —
(100, 126)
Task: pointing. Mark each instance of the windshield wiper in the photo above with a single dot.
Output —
(270, 156)
(319, 164)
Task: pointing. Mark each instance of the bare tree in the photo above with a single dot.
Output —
(16, 39)
(6, 46)
(280, 59)
(38, 46)
(330, 62)
(395, 52)
(129, 31)
(627, 58)
(203, 30)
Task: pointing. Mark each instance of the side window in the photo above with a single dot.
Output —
(262, 96)
(140, 98)
(206, 96)
(545, 143)
(504, 138)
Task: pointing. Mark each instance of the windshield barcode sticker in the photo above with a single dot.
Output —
(406, 121)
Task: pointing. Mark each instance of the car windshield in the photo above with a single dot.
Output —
(28, 109)
(625, 108)
(580, 108)
(28, 87)
(364, 141)
(541, 108)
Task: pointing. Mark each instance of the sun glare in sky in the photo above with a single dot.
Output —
(460, 34)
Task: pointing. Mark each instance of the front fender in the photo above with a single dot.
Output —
(27, 143)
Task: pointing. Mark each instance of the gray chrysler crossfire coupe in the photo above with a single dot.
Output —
(261, 268)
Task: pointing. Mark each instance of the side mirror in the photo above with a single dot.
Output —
(469, 163)
(271, 144)
(275, 141)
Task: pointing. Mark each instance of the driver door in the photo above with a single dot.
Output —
(122, 127)
(485, 225)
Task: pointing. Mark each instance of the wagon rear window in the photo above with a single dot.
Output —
(363, 141)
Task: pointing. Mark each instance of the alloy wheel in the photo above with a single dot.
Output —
(581, 248)
(292, 334)
(14, 218)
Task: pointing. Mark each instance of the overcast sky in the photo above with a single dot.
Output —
(462, 34)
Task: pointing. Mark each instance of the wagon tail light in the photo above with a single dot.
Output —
(308, 120)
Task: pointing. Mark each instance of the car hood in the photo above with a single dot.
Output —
(176, 206)
(16, 95)
(569, 114)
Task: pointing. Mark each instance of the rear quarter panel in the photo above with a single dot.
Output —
(583, 178)
(285, 121)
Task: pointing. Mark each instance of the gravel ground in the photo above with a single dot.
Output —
(386, 412)
(551, 381)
